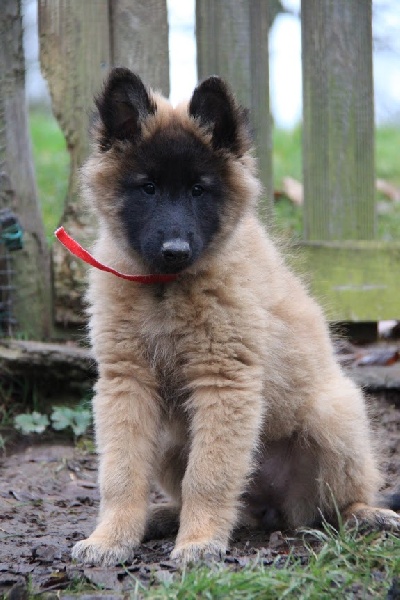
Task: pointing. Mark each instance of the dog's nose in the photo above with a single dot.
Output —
(175, 251)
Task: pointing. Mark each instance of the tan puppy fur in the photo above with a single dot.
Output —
(221, 385)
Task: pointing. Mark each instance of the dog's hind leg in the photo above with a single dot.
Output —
(347, 476)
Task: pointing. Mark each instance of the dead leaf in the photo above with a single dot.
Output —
(46, 553)
(108, 578)
(293, 189)
(387, 189)
(23, 496)
(277, 541)
(163, 576)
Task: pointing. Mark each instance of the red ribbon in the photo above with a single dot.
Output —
(76, 249)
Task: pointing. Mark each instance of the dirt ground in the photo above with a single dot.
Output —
(49, 500)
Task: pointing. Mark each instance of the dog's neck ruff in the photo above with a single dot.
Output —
(77, 250)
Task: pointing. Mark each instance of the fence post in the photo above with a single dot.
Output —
(139, 40)
(31, 300)
(351, 272)
(338, 120)
(75, 56)
(232, 41)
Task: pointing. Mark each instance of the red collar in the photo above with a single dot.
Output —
(83, 254)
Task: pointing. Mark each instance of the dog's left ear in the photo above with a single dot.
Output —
(215, 107)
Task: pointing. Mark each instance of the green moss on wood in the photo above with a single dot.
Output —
(354, 281)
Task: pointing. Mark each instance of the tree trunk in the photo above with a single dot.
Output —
(32, 295)
(79, 41)
(75, 57)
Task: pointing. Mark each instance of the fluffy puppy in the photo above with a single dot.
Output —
(221, 384)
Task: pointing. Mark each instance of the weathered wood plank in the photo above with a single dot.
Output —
(354, 281)
(32, 305)
(232, 41)
(75, 56)
(139, 40)
(338, 120)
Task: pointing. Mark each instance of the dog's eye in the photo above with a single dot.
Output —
(197, 190)
(149, 188)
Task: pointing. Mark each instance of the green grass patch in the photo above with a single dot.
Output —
(287, 155)
(387, 144)
(388, 167)
(51, 160)
(343, 565)
(347, 565)
(388, 222)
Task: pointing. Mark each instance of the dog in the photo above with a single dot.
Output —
(221, 384)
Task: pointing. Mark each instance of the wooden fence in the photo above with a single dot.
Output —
(351, 272)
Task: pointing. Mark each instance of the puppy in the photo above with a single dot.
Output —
(221, 384)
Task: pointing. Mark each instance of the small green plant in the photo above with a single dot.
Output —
(78, 420)
(33, 422)
(61, 418)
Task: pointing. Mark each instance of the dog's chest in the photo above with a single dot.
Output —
(167, 365)
(169, 336)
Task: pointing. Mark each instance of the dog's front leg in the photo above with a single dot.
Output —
(126, 417)
(226, 414)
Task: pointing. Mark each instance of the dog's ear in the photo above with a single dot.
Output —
(216, 109)
(122, 105)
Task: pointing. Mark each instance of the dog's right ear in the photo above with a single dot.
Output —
(122, 105)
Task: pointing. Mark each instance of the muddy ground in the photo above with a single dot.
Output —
(49, 500)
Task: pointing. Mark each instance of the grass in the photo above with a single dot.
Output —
(345, 566)
(388, 168)
(287, 154)
(52, 172)
(387, 151)
(51, 161)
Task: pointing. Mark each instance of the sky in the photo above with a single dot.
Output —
(285, 59)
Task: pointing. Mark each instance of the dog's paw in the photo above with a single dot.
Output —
(388, 519)
(98, 551)
(371, 518)
(193, 552)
